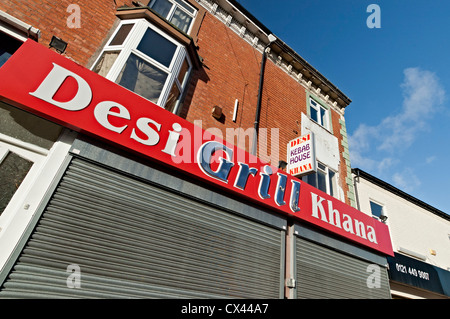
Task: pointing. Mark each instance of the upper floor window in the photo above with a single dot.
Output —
(324, 179)
(177, 12)
(146, 61)
(377, 210)
(8, 46)
(319, 113)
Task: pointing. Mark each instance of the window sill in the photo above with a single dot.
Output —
(165, 26)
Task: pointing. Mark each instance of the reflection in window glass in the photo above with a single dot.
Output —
(157, 47)
(162, 7)
(105, 63)
(142, 78)
(181, 20)
(13, 170)
(183, 72)
(173, 98)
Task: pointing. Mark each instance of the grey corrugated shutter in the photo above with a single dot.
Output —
(133, 239)
(323, 273)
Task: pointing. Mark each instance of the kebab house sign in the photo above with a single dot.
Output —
(45, 83)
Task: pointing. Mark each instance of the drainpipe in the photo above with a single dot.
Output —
(272, 39)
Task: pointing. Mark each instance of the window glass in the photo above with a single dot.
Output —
(321, 181)
(377, 210)
(162, 7)
(142, 78)
(27, 127)
(181, 20)
(323, 119)
(145, 62)
(106, 62)
(173, 98)
(122, 34)
(157, 47)
(314, 114)
(8, 45)
(332, 182)
(183, 72)
(186, 6)
(13, 170)
(318, 113)
(311, 180)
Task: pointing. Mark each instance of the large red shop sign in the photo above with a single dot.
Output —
(45, 83)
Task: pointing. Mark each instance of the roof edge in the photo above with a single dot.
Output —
(399, 192)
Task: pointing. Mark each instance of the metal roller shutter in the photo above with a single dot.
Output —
(134, 240)
(323, 273)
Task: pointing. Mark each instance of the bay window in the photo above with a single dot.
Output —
(146, 61)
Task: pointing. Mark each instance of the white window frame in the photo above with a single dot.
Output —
(330, 189)
(129, 47)
(176, 5)
(313, 103)
(29, 196)
(383, 212)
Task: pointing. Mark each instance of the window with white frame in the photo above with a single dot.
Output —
(177, 12)
(319, 113)
(377, 210)
(324, 179)
(146, 61)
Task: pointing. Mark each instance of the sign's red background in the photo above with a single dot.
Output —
(28, 67)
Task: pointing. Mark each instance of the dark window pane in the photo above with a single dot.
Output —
(314, 115)
(13, 170)
(173, 98)
(122, 34)
(332, 178)
(8, 45)
(162, 7)
(322, 182)
(311, 179)
(157, 47)
(186, 6)
(323, 119)
(142, 78)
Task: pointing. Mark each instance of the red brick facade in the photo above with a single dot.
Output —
(230, 72)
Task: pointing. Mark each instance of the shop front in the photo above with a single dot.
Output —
(413, 278)
(146, 205)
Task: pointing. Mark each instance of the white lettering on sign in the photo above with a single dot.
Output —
(53, 82)
(412, 271)
(267, 184)
(333, 217)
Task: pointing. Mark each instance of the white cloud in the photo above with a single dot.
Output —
(375, 147)
(406, 180)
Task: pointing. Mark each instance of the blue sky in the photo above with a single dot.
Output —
(397, 76)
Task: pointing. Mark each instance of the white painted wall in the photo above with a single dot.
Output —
(411, 226)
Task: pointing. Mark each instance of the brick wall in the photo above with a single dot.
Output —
(232, 68)
(97, 18)
(231, 72)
